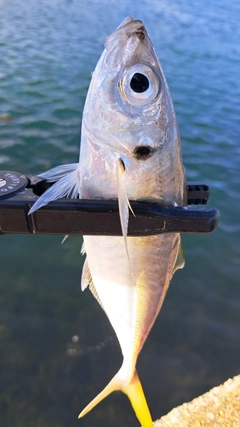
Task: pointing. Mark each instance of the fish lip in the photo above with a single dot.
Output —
(141, 32)
(126, 21)
(131, 28)
(135, 24)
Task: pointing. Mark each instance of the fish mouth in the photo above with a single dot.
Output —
(133, 35)
(140, 32)
(129, 27)
(125, 21)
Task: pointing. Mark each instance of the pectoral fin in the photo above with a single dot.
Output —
(67, 185)
(123, 202)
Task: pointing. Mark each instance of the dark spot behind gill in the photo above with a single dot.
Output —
(142, 152)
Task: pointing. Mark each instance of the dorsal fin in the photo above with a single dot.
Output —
(86, 276)
(88, 281)
(64, 239)
(83, 250)
(180, 260)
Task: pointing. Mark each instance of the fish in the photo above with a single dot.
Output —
(130, 150)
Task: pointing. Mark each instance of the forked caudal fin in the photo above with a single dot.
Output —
(133, 389)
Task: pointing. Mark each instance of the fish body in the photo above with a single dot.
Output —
(130, 150)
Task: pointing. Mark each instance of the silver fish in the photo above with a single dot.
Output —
(130, 150)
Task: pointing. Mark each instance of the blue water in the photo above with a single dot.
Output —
(57, 349)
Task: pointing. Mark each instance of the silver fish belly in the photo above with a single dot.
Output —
(130, 150)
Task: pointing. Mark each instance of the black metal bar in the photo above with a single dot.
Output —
(96, 217)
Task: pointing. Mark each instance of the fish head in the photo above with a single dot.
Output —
(129, 115)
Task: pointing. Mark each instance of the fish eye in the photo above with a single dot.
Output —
(140, 85)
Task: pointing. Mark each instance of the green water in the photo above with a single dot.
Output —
(57, 349)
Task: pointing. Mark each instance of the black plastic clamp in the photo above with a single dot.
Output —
(18, 192)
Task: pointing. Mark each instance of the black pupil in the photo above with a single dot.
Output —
(139, 83)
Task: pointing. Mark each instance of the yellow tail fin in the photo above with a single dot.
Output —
(136, 396)
(133, 389)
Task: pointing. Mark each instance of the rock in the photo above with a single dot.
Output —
(219, 407)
